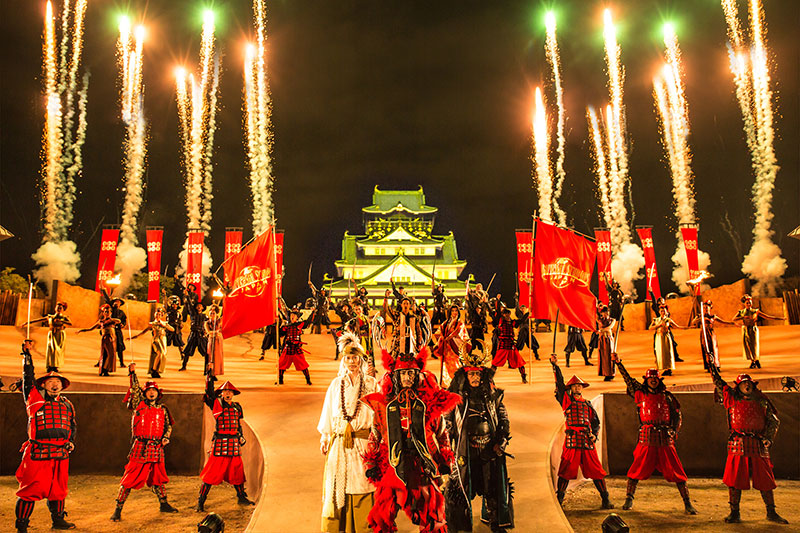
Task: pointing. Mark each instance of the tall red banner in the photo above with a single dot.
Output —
(108, 256)
(524, 265)
(563, 265)
(250, 304)
(689, 234)
(194, 259)
(233, 245)
(603, 238)
(154, 239)
(279, 259)
(646, 236)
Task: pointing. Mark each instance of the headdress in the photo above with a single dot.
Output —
(652, 373)
(746, 297)
(41, 380)
(405, 361)
(575, 380)
(227, 386)
(470, 360)
(62, 304)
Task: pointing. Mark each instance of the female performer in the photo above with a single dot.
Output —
(662, 342)
(605, 342)
(214, 335)
(749, 316)
(344, 427)
(108, 341)
(708, 338)
(158, 347)
(56, 337)
(451, 339)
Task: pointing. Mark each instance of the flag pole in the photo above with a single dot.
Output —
(555, 331)
(30, 296)
(277, 306)
(530, 298)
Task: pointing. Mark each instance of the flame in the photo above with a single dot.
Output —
(701, 276)
(217, 294)
(115, 281)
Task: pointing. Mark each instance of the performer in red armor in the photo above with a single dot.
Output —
(659, 422)
(225, 461)
(506, 343)
(753, 423)
(151, 427)
(44, 469)
(293, 352)
(408, 421)
(582, 427)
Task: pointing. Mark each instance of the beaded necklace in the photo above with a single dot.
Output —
(348, 431)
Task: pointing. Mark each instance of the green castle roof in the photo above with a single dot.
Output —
(385, 202)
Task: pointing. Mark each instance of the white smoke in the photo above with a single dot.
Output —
(59, 260)
(626, 267)
(130, 260)
(765, 264)
(680, 274)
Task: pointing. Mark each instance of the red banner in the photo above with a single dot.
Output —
(108, 255)
(250, 304)
(279, 258)
(524, 265)
(646, 236)
(563, 267)
(603, 237)
(154, 239)
(233, 245)
(689, 234)
(194, 260)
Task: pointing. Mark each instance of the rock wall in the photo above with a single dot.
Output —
(83, 306)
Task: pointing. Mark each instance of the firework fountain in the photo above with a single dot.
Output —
(750, 68)
(607, 132)
(541, 158)
(553, 59)
(673, 113)
(130, 257)
(197, 103)
(64, 136)
(258, 123)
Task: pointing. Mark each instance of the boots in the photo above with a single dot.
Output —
(308, 376)
(586, 361)
(566, 357)
(632, 483)
(687, 502)
(523, 374)
(769, 500)
(280, 376)
(22, 525)
(201, 498)
(165, 507)
(242, 496)
(561, 489)
(23, 512)
(117, 516)
(734, 496)
(605, 503)
(161, 492)
(57, 514)
(758, 364)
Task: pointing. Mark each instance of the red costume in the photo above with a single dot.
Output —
(408, 421)
(44, 469)
(659, 422)
(292, 352)
(753, 423)
(582, 426)
(225, 461)
(507, 346)
(151, 427)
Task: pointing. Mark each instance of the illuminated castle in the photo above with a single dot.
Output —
(399, 243)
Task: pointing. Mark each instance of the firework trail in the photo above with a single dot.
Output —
(258, 123)
(764, 262)
(541, 158)
(551, 47)
(130, 257)
(610, 153)
(197, 102)
(673, 113)
(57, 257)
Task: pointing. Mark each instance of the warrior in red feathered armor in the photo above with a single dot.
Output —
(225, 461)
(44, 469)
(151, 427)
(753, 423)
(659, 422)
(408, 448)
(582, 426)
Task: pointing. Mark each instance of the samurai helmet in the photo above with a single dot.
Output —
(472, 361)
(227, 386)
(744, 377)
(64, 381)
(153, 385)
(405, 361)
(575, 380)
(651, 373)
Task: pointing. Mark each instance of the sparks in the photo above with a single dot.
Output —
(541, 158)
(553, 59)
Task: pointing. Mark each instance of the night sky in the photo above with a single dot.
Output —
(400, 94)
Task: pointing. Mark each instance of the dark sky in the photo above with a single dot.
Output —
(401, 93)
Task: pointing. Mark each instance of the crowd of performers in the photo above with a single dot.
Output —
(407, 439)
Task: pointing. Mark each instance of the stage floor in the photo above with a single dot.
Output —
(285, 418)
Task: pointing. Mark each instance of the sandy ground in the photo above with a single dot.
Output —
(658, 506)
(285, 418)
(91, 501)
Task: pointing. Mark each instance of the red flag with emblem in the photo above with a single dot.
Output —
(250, 304)
(646, 236)
(524, 263)
(107, 258)
(154, 239)
(563, 263)
(603, 238)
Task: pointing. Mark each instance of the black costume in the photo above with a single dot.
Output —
(119, 314)
(198, 340)
(322, 303)
(576, 342)
(524, 327)
(175, 337)
(479, 432)
(439, 305)
(476, 315)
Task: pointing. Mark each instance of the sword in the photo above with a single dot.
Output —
(490, 283)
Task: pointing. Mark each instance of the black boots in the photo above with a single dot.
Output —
(57, 514)
(280, 376)
(586, 361)
(734, 497)
(242, 496)
(561, 489)
(632, 483)
(201, 498)
(605, 503)
(687, 502)
(165, 507)
(117, 516)
(769, 500)
(523, 375)
(308, 376)
(22, 525)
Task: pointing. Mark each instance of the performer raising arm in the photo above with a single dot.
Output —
(44, 469)
(158, 347)
(108, 340)
(749, 315)
(151, 426)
